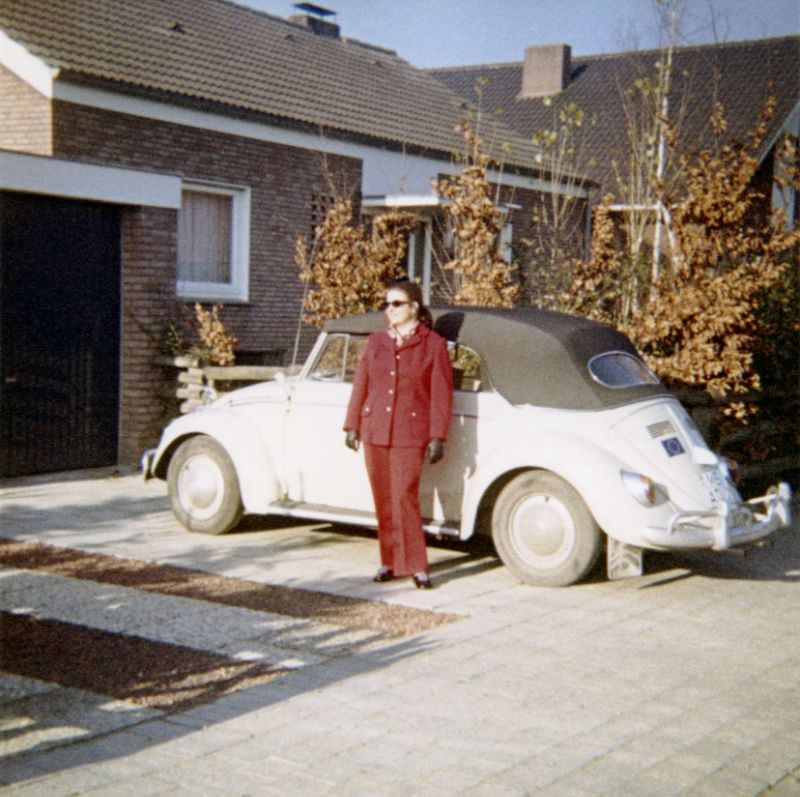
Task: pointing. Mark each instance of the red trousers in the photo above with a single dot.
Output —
(394, 475)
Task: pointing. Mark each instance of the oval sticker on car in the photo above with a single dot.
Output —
(672, 446)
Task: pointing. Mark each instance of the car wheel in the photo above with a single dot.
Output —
(203, 487)
(543, 531)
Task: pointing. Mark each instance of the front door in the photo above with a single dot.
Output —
(59, 334)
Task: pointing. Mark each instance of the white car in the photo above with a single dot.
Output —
(562, 439)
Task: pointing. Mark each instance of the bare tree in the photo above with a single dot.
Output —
(558, 216)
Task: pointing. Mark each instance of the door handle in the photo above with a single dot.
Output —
(10, 380)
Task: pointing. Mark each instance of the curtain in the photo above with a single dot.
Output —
(204, 237)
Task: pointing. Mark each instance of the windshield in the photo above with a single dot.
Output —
(619, 369)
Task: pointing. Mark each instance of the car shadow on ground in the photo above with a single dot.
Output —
(473, 556)
(775, 559)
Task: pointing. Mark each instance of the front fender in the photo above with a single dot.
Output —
(259, 483)
(589, 468)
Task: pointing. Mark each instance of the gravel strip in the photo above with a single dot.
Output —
(148, 673)
(340, 610)
(213, 627)
(173, 654)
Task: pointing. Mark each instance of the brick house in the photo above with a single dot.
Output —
(162, 152)
(532, 92)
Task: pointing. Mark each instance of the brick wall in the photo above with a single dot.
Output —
(25, 116)
(283, 180)
(537, 276)
(148, 255)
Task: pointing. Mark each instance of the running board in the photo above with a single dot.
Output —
(353, 517)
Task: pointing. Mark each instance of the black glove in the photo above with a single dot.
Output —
(435, 450)
(351, 439)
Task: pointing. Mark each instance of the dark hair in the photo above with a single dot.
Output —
(414, 294)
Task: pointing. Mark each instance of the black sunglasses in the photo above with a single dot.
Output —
(395, 303)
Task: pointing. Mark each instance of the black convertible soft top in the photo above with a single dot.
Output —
(530, 356)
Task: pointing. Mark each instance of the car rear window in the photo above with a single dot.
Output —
(618, 369)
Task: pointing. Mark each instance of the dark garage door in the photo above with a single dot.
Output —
(59, 334)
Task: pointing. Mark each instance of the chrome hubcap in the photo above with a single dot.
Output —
(201, 487)
(542, 531)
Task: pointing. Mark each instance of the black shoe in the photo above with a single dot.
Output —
(421, 581)
(384, 574)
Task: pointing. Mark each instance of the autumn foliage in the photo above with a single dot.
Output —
(347, 266)
(218, 346)
(482, 277)
(701, 322)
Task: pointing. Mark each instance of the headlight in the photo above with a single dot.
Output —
(642, 488)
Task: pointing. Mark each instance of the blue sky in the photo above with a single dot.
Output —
(432, 33)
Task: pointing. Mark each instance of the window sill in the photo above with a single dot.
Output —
(205, 292)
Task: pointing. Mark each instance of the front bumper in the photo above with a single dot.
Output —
(727, 526)
(147, 461)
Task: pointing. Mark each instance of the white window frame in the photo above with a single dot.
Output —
(505, 239)
(237, 289)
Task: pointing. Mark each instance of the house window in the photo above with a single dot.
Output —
(213, 243)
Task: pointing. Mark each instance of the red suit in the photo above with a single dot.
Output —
(402, 398)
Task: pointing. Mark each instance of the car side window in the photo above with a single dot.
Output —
(338, 360)
(467, 372)
(355, 348)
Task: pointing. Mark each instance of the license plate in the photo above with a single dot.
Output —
(715, 485)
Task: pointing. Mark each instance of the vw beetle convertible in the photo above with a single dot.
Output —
(562, 440)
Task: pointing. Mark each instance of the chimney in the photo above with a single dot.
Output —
(313, 18)
(546, 70)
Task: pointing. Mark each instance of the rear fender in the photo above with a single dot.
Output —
(255, 469)
(590, 469)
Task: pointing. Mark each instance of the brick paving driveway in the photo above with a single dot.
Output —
(683, 682)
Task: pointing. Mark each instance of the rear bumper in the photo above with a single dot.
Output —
(727, 526)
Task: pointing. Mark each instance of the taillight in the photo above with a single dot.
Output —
(642, 488)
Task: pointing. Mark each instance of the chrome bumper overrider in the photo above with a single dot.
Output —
(147, 463)
(727, 526)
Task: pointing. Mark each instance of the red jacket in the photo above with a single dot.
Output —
(402, 395)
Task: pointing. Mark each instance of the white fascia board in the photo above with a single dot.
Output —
(35, 72)
(384, 171)
(36, 174)
(790, 125)
(401, 201)
(785, 197)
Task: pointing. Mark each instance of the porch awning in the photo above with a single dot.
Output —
(38, 174)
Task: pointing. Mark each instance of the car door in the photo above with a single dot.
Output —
(322, 470)
(477, 410)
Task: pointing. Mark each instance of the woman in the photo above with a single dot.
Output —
(400, 409)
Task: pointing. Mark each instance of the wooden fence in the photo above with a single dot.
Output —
(201, 384)
(767, 447)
